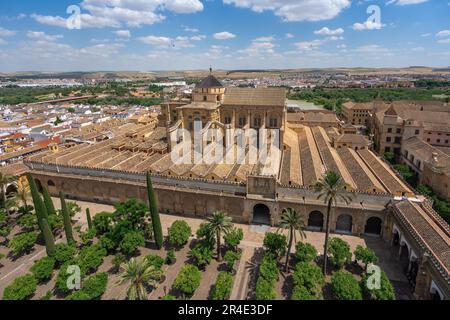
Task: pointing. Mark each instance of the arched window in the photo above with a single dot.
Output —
(261, 214)
(373, 226)
(242, 121)
(315, 220)
(257, 121)
(273, 122)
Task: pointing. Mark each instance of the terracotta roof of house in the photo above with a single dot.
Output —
(426, 152)
(11, 155)
(45, 143)
(391, 111)
(16, 135)
(358, 106)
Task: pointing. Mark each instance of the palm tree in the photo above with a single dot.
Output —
(139, 273)
(331, 188)
(4, 181)
(290, 219)
(217, 224)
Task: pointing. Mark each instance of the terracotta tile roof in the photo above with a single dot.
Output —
(47, 142)
(426, 152)
(431, 233)
(255, 96)
(382, 171)
(391, 111)
(362, 175)
(358, 106)
(352, 138)
(22, 152)
(311, 117)
(15, 169)
(16, 135)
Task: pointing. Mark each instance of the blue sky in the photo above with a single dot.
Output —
(227, 34)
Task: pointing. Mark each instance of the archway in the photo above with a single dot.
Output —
(315, 221)
(396, 239)
(413, 270)
(435, 293)
(261, 214)
(373, 226)
(404, 257)
(50, 183)
(12, 188)
(344, 223)
(38, 184)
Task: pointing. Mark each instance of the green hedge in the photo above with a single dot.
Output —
(43, 268)
(188, 279)
(22, 288)
(345, 286)
(224, 284)
(265, 290)
(179, 233)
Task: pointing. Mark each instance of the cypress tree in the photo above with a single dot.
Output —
(39, 206)
(66, 219)
(48, 201)
(48, 238)
(156, 222)
(88, 218)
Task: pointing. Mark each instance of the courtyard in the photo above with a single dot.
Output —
(244, 276)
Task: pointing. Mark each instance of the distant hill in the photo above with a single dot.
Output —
(237, 73)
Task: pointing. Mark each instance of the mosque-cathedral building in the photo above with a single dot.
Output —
(311, 143)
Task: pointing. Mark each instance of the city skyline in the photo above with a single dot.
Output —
(228, 34)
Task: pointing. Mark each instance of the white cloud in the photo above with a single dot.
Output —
(104, 50)
(368, 25)
(314, 44)
(296, 10)
(50, 20)
(309, 45)
(289, 35)
(443, 33)
(405, 2)
(264, 39)
(188, 29)
(258, 48)
(3, 42)
(123, 33)
(116, 13)
(198, 37)
(176, 43)
(42, 36)
(6, 32)
(156, 41)
(223, 35)
(329, 32)
(373, 49)
(215, 52)
(444, 41)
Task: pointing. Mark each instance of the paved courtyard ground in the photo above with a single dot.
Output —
(245, 277)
